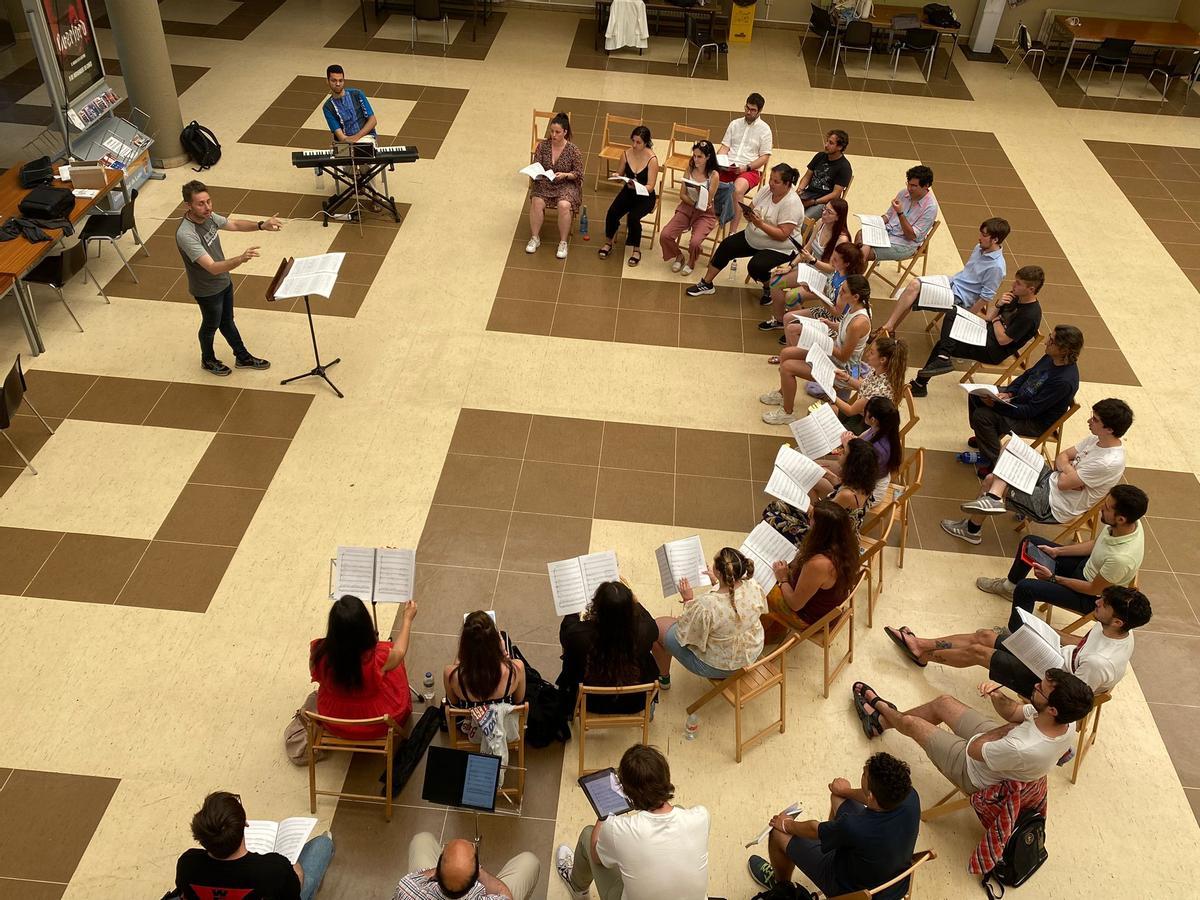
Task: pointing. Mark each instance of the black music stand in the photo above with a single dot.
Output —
(318, 370)
(463, 779)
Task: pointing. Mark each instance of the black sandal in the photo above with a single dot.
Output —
(870, 720)
(634, 259)
(605, 250)
(897, 636)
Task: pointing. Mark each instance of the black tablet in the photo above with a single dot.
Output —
(604, 793)
(461, 778)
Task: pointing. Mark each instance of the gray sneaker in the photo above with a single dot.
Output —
(1001, 587)
(958, 528)
(985, 504)
(771, 398)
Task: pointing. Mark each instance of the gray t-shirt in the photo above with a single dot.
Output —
(194, 241)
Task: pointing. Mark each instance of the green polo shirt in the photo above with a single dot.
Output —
(1116, 559)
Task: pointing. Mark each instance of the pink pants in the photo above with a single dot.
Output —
(686, 217)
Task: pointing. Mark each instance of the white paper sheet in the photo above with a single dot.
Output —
(311, 275)
(818, 433)
(969, 328)
(638, 188)
(536, 171)
(1036, 644)
(287, 837)
(683, 558)
(874, 232)
(814, 333)
(1019, 465)
(766, 546)
(702, 188)
(822, 370)
(574, 581)
(935, 293)
(817, 281)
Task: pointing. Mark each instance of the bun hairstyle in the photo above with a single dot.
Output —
(786, 173)
(732, 569)
(563, 121)
(642, 132)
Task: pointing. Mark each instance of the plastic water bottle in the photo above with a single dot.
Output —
(583, 225)
(692, 726)
(733, 270)
(427, 682)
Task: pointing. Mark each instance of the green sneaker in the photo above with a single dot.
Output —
(761, 871)
(664, 682)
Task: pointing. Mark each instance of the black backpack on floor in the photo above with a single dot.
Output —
(1023, 854)
(201, 144)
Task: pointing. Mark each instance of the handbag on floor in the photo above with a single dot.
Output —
(295, 736)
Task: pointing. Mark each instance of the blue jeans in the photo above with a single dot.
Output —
(689, 660)
(314, 860)
(1029, 592)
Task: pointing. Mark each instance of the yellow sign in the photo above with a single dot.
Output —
(741, 23)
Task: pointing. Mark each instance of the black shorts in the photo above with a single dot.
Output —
(1010, 671)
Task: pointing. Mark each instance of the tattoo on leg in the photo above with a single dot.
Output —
(943, 645)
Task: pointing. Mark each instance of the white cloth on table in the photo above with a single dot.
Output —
(627, 25)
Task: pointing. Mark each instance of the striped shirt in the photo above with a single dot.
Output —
(415, 886)
(920, 215)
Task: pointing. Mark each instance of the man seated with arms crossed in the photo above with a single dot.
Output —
(1012, 321)
(978, 752)
(1081, 571)
(655, 851)
(225, 868)
(867, 841)
(1032, 402)
(453, 872)
(908, 220)
(1099, 657)
(974, 286)
(748, 143)
(348, 113)
(828, 175)
(1080, 476)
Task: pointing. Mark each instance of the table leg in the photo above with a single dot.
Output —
(28, 318)
(1067, 61)
(953, 47)
(362, 6)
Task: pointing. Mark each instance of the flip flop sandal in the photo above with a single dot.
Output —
(897, 637)
(634, 260)
(605, 250)
(772, 360)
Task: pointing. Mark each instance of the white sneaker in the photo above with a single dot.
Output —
(686, 270)
(534, 243)
(564, 863)
(774, 398)
(779, 417)
(562, 250)
(677, 265)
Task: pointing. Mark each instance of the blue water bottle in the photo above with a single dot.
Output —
(583, 225)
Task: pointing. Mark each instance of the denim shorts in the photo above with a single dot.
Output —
(689, 660)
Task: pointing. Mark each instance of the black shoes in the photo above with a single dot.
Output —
(216, 367)
(252, 362)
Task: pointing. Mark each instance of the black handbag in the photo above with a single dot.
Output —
(36, 171)
(1023, 854)
(45, 203)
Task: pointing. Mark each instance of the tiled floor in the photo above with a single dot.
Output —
(159, 268)
(290, 120)
(1071, 95)
(592, 299)
(352, 36)
(46, 823)
(180, 564)
(662, 57)
(182, 17)
(943, 84)
(1163, 184)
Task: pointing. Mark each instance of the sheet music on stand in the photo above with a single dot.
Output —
(304, 275)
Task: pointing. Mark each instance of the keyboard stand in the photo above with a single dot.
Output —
(357, 188)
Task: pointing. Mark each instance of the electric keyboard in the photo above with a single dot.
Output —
(312, 159)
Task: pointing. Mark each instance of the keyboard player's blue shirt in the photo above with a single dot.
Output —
(348, 112)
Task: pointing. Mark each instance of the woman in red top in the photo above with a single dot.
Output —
(358, 675)
(823, 571)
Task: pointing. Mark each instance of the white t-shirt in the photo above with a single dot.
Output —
(658, 855)
(1024, 754)
(789, 209)
(1099, 468)
(747, 143)
(1099, 660)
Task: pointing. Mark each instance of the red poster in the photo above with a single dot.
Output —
(74, 43)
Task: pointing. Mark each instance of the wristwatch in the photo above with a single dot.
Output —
(261, 224)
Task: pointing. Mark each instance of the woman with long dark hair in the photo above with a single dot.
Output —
(483, 672)
(824, 569)
(853, 489)
(887, 358)
(564, 193)
(689, 216)
(608, 646)
(639, 165)
(358, 675)
(828, 235)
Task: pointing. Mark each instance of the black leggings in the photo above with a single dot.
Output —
(628, 204)
(761, 261)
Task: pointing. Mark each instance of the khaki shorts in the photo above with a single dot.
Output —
(949, 751)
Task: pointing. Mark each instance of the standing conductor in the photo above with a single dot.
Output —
(208, 274)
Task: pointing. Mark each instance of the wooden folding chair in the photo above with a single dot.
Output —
(320, 738)
(871, 549)
(900, 492)
(1050, 440)
(541, 125)
(679, 151)
(458, 740)
(1088, 728)
(748, 683)
(953, 802)
(1009, 370)
(1086, 522)
(911, 418)
(613, 147)
(905, 267)
(652, 219)
(825, 631)
(918, 860)
(590, 721)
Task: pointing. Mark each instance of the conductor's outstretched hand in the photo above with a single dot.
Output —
(273, 224)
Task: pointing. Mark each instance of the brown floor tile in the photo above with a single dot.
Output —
(722, 503)
(710, 333)
(180, 577)
(655, 329)
(585, 322)
(30, 435)
(563, 440)
(88, 568)
(630, 496)
(993, 176)
(589, 290)
(457, 537)
(1163, 662)
(360, 268)
(125, 401)
(23, 551)
(557, 489)
(1106, 366)
(960, 193)
(650, 296)
(199, 407)
(524, 606)
(1174, 495)
(478, 481)
(210, 514)
(8, 476)
(445, 592)
(712, 453)
(1016, 197)
(374, 239)
(266, 413)
(240, 460)
(368, 848)
(153, 282)
(437, 112)
(1173, 611)
(527, 284)
(1180, 540)
(266, 204)
(282, 116)
(946, 478)
(928, 513)
(47, 820)
(1179, 727)
(55, 393)
(12, 889)
(763, 449)
(1111, 149)
(534, 540)
(641, 447)
(487, 432)
(521, 316)
(346, 300)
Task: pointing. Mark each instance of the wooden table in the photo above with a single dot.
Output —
(659, 11)
(883, 14)
(18, 256)
(1164, 35)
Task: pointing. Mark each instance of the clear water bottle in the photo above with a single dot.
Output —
(733, 270)
(583, 225)
(427, 683)
(692, 726)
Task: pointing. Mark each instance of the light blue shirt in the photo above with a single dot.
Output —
(980, 277)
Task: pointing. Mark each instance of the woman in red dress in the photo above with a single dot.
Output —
(358, 675)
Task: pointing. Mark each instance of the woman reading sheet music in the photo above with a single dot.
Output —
(690, 214)
(887, 359)
(852, 488)
(847, 260)
(564, 193)
(822, 573)
(639, 166)
(358, 675)
(882, 436)
(483, 672)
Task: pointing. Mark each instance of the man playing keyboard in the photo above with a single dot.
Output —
(348, 113)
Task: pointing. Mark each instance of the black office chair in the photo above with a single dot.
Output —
(859, 35)
(430, 11)
(111, 227)
(702, 38)
(1113, 53)
(1026, 47)
(14, 391)
(820, 22)
(918, 40)
(1186, 66)
(55, 271)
